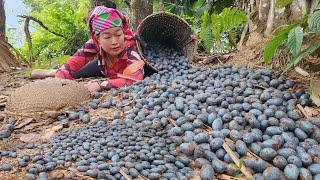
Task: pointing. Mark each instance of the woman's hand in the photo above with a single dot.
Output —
(93, 86)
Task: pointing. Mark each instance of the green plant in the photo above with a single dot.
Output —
(293, 37)
(189, 10)
(216, 27)
(283, 3)
(65, 17)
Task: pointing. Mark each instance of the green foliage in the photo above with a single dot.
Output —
(226, 20)
(294, 40)
(187, 9)
(206, 32)
(58, 61)
(219, 6)
(275, 43)
(283, 3)
(199, 7)
(236, 170)
(39, 66)
(314, 22)
(304, 54)
(218, 25)
(192, 10)
(65, 17)
(294, 36)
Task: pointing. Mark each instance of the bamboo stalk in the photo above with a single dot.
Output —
(253, 155)
(235, 159)
(124, 175)
(227, 177)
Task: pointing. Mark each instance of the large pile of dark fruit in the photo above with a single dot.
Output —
(166, 135)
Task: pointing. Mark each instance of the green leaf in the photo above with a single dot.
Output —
(304, 54)
(233, 167)
(294, 40)
(66, 17)
(199, 7)
(241, 164)
(228, 19)
(274, 43)
(208, 38)
(283, 3)
(206, 32)
(58, 61)
(314, 22)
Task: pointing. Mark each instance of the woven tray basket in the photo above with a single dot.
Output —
(168, 29)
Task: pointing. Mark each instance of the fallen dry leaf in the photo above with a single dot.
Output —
(24, 123)
(30, 138)
(301, 72)
(58, 174)
(311, 111)
(315, 91)
(303, 111)
(48, 133)
(196, 174)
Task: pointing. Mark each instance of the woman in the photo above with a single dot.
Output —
(111, 52)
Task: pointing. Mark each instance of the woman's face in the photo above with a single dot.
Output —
(112, 41)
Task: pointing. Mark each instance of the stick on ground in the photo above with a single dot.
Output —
(235, 159)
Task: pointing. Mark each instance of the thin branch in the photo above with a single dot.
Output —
(260, 10)
(28, 37)
(243, 34)
(236, 160)
(40, 23)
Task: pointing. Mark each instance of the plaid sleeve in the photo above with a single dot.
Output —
(83, 55)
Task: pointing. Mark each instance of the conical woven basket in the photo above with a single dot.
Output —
(170, 30)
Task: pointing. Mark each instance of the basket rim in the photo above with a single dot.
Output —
(138, 30)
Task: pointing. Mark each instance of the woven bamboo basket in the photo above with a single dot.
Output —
(167, 29)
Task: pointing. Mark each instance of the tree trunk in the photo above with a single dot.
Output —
(270, 20)
(264, 6)
(140, 10)
(313, 4)
(2, 21)
(287, 13)
(7, 59)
